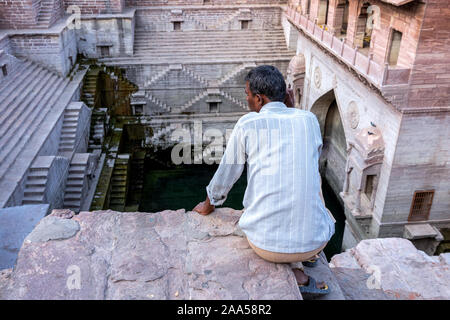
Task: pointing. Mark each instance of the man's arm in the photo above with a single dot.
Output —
(229, 171)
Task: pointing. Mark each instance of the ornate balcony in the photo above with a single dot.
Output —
(378, 75)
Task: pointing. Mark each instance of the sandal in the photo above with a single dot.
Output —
(311, 262)
(312, 290)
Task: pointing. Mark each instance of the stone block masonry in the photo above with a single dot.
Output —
(18, 14)
(430, 76)
(96, 6)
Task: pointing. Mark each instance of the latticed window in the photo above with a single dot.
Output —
(421, 205)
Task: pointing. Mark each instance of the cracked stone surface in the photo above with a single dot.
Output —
(391, 268)
(165, 255)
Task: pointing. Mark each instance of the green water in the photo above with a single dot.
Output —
(184, 187)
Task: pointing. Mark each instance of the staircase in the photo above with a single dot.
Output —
(157, 102)
(69, 131)
(193, 100)
(206, 46)
(137, 176)
(235, 72)
(76, 182)
(99, 120)
(118, 194)
(45, 13)
(156, 77)
(195, 76)
(90, 86)
(234, 100)
(37, 181)
(27, 100)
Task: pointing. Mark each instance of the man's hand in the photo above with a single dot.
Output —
(204, 208)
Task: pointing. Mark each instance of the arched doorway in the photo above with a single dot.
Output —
(334, 156)
(332, 163)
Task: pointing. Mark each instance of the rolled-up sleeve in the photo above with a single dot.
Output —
(230, 168)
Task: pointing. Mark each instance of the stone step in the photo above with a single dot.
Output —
(35, 198)
(20, 113)
(69, 197)
(149, 59)
(34, 190)
(225, 53)
(70, 127)
(18, 105)
(21, 73)
(70, 122)
(75, 176)
(72, 204)
(30, 124)
(77, 169)
(71, 114)
(75, 183)
(169, 44)
(208, 33)
(211, 52)
(36, 181)
(66, 135)
(72, 189)
(68, 143)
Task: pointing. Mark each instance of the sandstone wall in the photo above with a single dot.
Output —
(97, 6)
(51, 49)
(430, 76)
(18, 14)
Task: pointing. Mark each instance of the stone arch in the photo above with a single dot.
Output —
(334, 152)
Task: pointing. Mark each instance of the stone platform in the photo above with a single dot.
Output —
(165, 255)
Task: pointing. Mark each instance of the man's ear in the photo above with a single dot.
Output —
(259, 100)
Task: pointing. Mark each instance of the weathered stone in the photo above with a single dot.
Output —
(165, 255)
(394, 266)
(53, 228)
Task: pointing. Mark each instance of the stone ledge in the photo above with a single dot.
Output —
(165, 255)
(391, 268)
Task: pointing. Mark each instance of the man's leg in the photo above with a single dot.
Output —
(301, 277)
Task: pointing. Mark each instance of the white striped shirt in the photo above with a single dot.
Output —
(283, 209)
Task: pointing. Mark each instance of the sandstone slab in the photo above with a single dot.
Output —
(391, 268)
(165, 255)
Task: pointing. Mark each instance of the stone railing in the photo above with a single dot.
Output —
(379, 75)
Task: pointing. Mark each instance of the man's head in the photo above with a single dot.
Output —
(264, 84)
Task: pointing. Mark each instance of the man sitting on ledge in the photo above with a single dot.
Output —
(284, 219)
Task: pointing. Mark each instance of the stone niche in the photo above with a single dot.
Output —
(364, 160)
(296, 77)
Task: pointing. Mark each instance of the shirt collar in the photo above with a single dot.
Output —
(273, 107)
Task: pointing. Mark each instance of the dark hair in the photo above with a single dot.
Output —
(267, 80)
